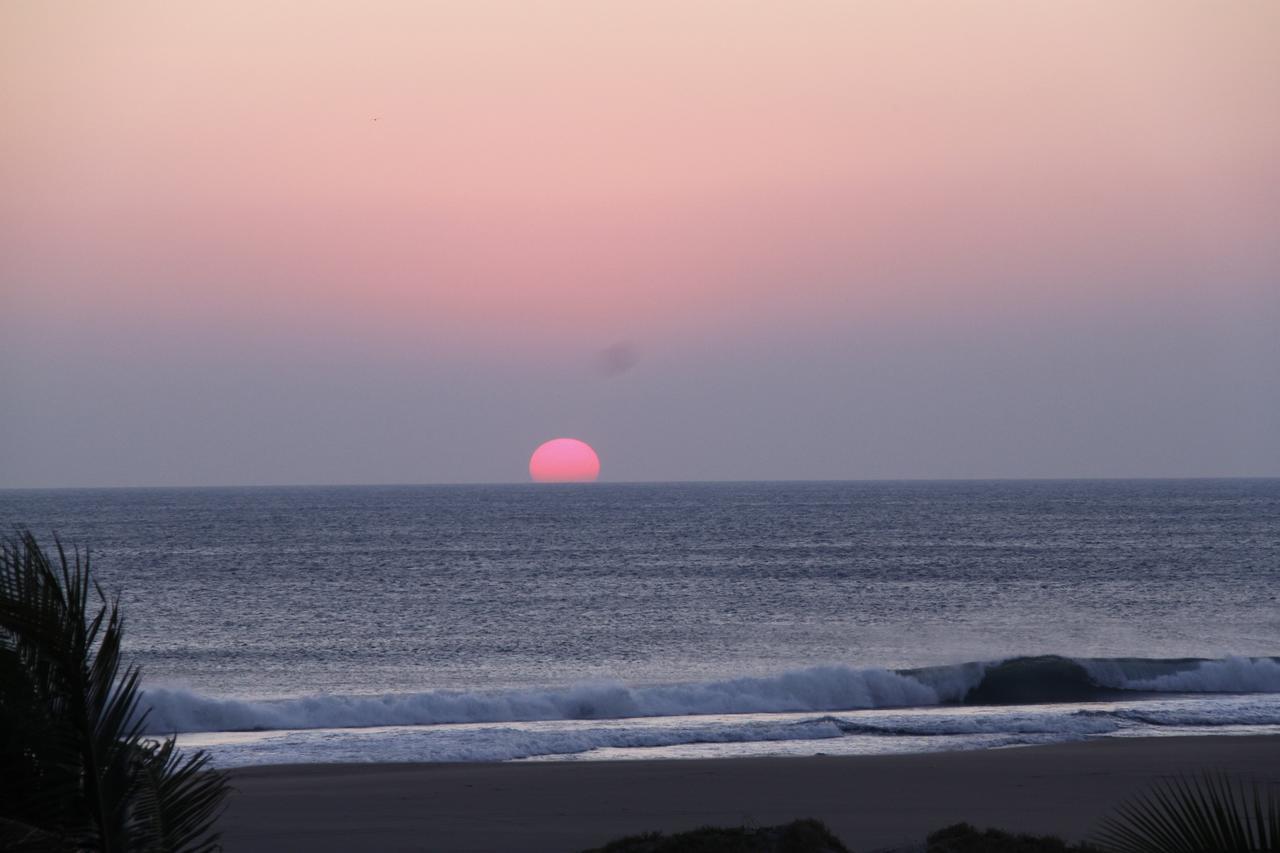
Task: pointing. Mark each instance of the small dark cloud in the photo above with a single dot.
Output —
(616, 359)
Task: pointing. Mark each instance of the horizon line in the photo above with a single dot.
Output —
(530, 483)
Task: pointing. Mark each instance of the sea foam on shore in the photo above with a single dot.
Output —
(829, 688)
(850, 711)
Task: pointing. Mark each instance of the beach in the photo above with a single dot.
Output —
(869, 801)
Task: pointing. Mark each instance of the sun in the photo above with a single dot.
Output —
(564, 460)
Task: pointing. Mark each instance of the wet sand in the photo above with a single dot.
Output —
(869, 801)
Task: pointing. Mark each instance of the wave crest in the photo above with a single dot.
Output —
(819, 689)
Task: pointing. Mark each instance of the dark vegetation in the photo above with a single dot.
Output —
(801, 836)
(810, 836)
(75, 771)
(963, 838)
(1209, 814)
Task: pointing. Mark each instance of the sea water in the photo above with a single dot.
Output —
(445, 623)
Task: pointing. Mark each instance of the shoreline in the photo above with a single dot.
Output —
(870, 801)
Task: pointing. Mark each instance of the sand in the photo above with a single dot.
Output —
(869, 801)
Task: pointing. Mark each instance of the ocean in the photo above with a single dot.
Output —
(619, 621)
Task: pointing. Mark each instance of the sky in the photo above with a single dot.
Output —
(266, 242)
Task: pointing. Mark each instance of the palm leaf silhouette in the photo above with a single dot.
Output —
(1211, 813)
(77, 771)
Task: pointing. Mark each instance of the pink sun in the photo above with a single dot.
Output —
(564, 460)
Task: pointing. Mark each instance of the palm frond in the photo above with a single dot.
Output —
(1211, 813)
(38, 635)
(71, 725)
(179, 800)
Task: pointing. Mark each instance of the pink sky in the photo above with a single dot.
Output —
(481, 186)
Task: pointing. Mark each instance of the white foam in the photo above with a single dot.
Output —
(504, 743)
(855, 732)
(1229, 675)
(831, 688)
(816, 689)
(1007, 721)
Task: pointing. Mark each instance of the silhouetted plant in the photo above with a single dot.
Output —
(75, 770)
(965, 838)
(1206, 814)
(799, 836)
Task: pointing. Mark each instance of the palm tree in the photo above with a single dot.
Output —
(1206, 814)
(76, 772)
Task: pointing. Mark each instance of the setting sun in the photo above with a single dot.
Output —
(564, 460)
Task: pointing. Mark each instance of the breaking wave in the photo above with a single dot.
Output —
(945, 728)
(1012, 681)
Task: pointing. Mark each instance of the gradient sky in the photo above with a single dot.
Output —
(368, 242)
